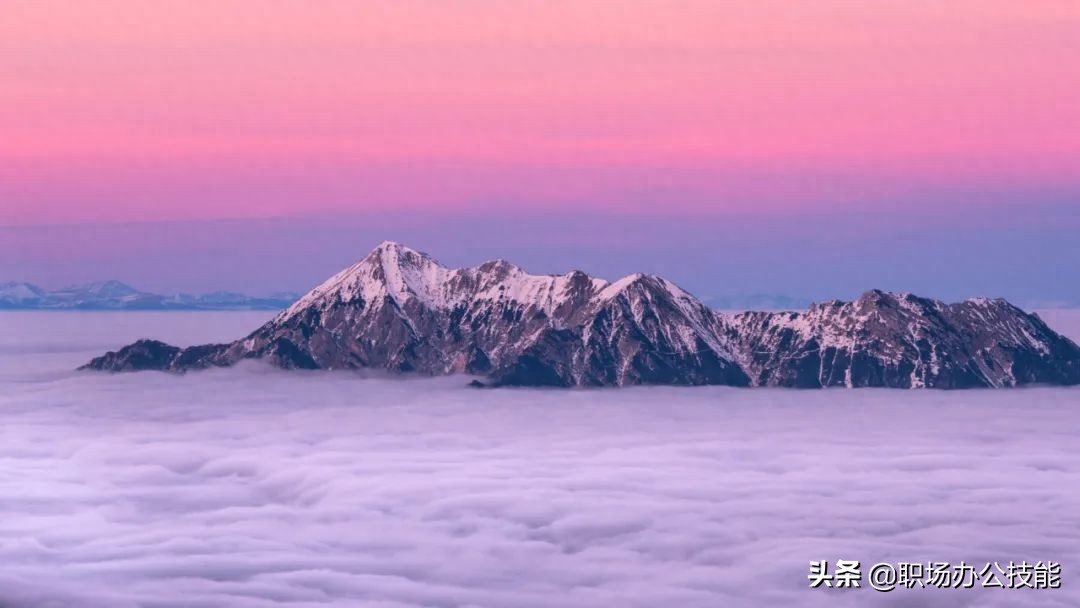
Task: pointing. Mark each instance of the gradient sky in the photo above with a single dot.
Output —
(939, 135)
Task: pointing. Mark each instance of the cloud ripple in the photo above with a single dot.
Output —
(252, 487)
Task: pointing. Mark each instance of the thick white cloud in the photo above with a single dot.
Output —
(253, 487)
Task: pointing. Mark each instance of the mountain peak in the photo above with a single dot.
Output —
(114, 295)
(620, 285)
(642, 282)
(389, 270)
(21, 285)
(396, 254)
(109, 288)
(16, 293)
(877, 296)
(880, 299)
(398, 309)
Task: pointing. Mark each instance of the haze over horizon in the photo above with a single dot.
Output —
(829, 257)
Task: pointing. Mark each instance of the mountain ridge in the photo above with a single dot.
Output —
(115, 295)
(401, 310)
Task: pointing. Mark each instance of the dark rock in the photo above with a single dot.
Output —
(903, 341)
(399, 310)
(156, 355)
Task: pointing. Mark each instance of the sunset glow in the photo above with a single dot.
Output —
(123, 110)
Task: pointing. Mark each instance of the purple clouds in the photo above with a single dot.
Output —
(253, 487)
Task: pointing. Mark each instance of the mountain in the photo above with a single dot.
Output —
(230, 300)
(114, 295)
(16, 295)
(398, 309)
(401, 310)
(904, 341)
(105, 295)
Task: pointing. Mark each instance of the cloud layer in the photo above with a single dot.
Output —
(253, 488)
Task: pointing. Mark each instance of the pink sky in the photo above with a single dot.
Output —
(127, 110)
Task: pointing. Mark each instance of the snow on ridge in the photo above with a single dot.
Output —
(614, 288)
(403, 274)
(20, 291)
(394, 270)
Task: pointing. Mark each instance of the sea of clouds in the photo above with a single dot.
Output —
(253, 487)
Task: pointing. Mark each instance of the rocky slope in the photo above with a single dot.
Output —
(902, 341)
(400, 310)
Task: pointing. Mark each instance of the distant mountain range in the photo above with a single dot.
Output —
(114, 295)
(400, 310)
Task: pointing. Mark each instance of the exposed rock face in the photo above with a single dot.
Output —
(153, 354)
(400, 310)
(639, 330)
(902, 341)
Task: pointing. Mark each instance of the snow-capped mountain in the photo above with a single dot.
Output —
(901, 340)
(17, 295)
(399, 309)
(114, 295)
(104, 295)
(101, 290)
(230, 300)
